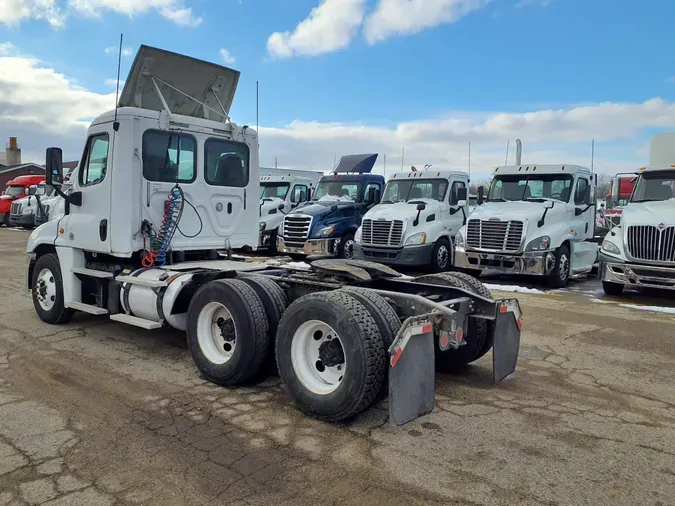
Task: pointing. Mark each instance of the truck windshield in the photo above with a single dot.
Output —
(14, 190)
(274, 190)
(655, 186)
(532, 187)
(333, 191)
(405, 191)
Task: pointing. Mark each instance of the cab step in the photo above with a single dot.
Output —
(150, 283)
(86, 308)
(135, 321)
(91, 272)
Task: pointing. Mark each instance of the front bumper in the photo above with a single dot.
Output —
(22, 220)
(539, 263)
(411, 255)
(637, 275)
(310, 247)
(2, 217)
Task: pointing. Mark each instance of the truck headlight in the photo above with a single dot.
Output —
(416, 239)
(263, 226)
(539, 244)
(610, 247)
(325, 232)
(357, 235)
(459, 240)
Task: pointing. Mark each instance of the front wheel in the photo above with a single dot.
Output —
(346, 247)
(612, 289)
(560, 275)
(441, 256)
(47, 291)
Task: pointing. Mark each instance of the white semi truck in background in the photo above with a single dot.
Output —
(640, 251)
(414, 224)
(166, 180)
(537, 219)
(281, 190)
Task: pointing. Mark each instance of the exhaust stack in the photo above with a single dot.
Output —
(519, 152)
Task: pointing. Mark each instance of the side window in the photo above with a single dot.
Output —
(303, 193)
(226, 163)
(453, 191)
(580, 193)
(95, 160)
(169, 157)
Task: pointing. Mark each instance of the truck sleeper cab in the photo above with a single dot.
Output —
(538, 219)
(416, 221)
(280, 193)
(327, 224)
(640, 251)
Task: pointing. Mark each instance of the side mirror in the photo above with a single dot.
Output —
(54, 166)
(32, 189)
(590, 195)
(281, 207)
(370, 198)
(421, 206)
(378, 195)
(462, 196)
(40, 190)
(297, 195)
(481, 196)
(309, 194)
(615, 188)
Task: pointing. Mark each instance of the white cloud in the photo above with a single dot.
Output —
(113, 83)
(329, 27)
(401, 17)
(126, 51)
(227, 56)
(525, 3)
(173, 10)
(13, 12)
(46, 108)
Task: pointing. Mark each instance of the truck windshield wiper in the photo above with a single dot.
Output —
(533, 199)
(386, 202)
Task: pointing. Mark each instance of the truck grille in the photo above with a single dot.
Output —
(382, 232)
(296, 229)
(15, 208)
(651, 244)
(495, 235)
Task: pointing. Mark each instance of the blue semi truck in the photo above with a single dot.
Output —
(326, 225)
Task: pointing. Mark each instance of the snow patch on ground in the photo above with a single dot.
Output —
(512, 288)
(301, 266)
(599, 301)
(655, 309)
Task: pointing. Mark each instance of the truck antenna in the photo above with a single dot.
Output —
(257, 126)
(469, 159)
(402, 158)
(116, 124)
(508, 142)
(592, 155)
(384, 166)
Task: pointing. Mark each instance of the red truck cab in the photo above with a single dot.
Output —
(17, 188)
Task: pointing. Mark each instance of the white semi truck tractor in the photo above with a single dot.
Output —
(281, 191)
(640, 251)
(166, 180)
(537, 219)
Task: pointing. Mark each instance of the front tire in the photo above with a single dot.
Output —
(227, 332)
(612, 289)
(47, 291)
(441, 256)
(346, 247)
(560, 276)
(330, 355)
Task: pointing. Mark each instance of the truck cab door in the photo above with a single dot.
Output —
(584, 254)
(87, 226)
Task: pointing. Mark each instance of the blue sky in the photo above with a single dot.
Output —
(482, 59)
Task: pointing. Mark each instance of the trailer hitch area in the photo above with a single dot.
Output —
(506, 329)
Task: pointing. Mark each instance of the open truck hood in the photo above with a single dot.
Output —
(206, 82)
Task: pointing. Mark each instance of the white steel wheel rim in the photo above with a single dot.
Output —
(442, 256)
(564, 267)
(210, 323)
(45, 289)
(349, 248)
(317, 378)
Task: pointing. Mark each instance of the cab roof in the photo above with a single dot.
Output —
(656, 168)
(429, 174)
(539, 169)
(27, 180)
(283, 179)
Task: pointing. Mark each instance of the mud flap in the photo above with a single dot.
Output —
(506, 340)
(411, 372)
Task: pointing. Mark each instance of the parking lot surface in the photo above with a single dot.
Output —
(99, 413)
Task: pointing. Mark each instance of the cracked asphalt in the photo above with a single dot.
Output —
(99, 413)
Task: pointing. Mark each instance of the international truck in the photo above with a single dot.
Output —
(281, 191)
(167, 178)
(415, 223)
(640, 251)
(538, 220)
(24, 211)
(326, 225)
(16, 189)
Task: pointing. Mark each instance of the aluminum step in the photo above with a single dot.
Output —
(91, 272)
(135, 321)
(86, 308)
(150, 283)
